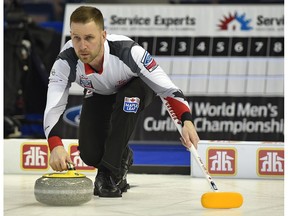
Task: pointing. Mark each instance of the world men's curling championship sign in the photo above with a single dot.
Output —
(220, 118)
(227, 59)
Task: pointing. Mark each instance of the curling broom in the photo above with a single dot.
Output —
(215, 199)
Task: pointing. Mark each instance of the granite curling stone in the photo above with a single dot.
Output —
(63, 189)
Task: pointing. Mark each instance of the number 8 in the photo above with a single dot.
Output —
(277, 47)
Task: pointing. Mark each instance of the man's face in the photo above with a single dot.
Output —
(88, 40)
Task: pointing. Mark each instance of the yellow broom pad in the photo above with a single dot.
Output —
(222, 200)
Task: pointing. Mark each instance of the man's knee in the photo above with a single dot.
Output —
(90, 158)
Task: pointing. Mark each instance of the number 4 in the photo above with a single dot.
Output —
(201, 46)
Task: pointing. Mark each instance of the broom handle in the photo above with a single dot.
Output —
(70, 166)
(192, 149)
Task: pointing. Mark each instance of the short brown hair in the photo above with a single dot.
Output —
(85, 14)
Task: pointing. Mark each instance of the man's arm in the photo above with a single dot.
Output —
(57, 98)
(155, 77)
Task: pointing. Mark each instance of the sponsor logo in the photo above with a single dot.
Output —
(88, 93)
(270, 21)
(157, 20)
(72, 115)
(53, 72)
(85, 82)
(75, 157)
(148, 62)
(221, 161)
(34, 156)
(131, 105)
(235, 22)
(121, 83)
(270, 162)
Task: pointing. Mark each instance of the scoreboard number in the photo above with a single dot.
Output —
(182, 46)
(146, 43)
(239, 46)
(258, 46)
(276, 46)
(201, 46)
(220, 46)
(164, 46)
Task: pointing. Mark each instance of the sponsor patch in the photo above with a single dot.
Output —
(148, 62)
(86, 83)
(131, 104)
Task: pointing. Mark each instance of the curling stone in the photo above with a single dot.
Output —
(63, 189)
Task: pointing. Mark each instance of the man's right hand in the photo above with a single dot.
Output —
(59, 158)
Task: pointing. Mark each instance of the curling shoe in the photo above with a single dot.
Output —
(105, 186)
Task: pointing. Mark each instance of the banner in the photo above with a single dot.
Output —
(255, 160)
(227, 59)
(188, 20)
(215, 117)
(198, 30)
(225, 159)
(219, 118)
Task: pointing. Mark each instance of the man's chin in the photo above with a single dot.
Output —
(85, 60)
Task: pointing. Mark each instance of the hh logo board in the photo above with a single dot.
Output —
(221, 161)
(270, 162)
(34, 156)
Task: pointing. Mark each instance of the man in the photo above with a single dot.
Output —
(120, 79)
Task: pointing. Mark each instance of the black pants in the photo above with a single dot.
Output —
(105, 128)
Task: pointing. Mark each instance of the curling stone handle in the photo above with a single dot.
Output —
(70, 166)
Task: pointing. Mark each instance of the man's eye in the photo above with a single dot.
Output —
(89, 38)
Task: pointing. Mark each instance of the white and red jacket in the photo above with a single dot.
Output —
(123, 60)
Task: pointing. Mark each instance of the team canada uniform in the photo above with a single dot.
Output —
(124, 62)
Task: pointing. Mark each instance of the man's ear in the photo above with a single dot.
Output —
(104, 33)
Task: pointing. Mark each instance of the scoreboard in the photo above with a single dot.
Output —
(206, 49)
(227, 59)
(213, 46)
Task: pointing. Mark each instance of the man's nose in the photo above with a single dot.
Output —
(83, 45)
